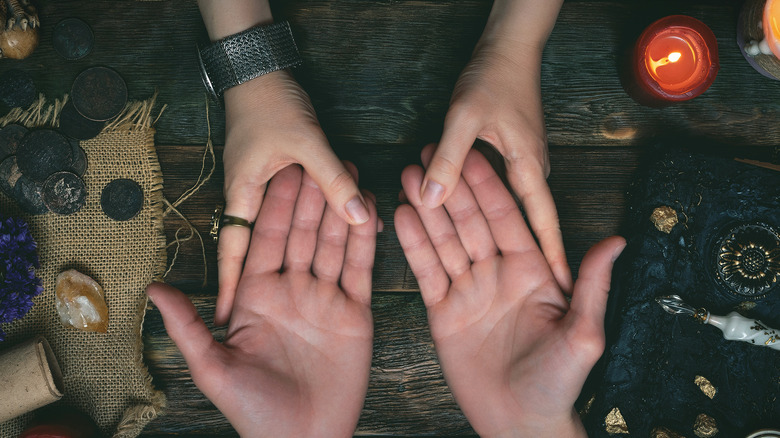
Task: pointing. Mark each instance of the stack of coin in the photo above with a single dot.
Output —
(42, 169)
(10, 136)
(17, 89)
(44, 174)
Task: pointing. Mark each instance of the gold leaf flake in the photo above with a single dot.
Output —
(705, 426)
(586, 409)
(664, 218)
(663, 432)
(706, 386)
(746, 306)
(615, 422)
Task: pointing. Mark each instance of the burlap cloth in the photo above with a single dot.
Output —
(104, 374)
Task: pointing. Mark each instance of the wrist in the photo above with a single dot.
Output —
(522, 23)
(544, 427)
(258, 94)
(246, 55)
(222, 20)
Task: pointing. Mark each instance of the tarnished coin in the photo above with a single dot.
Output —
(9, 174)
(10, 136)
(43, 152)
(122, 199)
(99, 93)
(27, 193)
(74, 125)
(79, 166)
(64, 193)
(17, 89)
(73, 38)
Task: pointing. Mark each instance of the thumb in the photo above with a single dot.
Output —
(443, 171)
(184, 325)
(591, 290)
(338, 185)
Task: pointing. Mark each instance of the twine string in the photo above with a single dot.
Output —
(203, 178)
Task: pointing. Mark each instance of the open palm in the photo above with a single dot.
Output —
(270, 124)
(498, 99)
(297, 354)
(513, 350)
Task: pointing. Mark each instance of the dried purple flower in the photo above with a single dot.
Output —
(18, 260)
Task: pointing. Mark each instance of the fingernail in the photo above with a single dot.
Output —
(433, 194)
(618, 251)
(357, 210)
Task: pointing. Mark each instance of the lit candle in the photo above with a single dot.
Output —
(675, 59)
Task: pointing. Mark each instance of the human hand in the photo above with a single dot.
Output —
(270, 124)
(514, 352)
(498, 99)
(296, 357)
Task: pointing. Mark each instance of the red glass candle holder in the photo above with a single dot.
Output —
(758, 36)
(771, 24)
(675, 59)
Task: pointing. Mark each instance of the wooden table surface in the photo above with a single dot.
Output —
(380, 74)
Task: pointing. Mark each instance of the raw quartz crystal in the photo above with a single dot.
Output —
(81, 303)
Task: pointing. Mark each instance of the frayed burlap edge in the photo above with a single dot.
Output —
(136, 115)
(39, 114)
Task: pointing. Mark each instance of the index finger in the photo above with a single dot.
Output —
(535, 195)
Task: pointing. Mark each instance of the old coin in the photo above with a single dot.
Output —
(9, 174)
(79, 165)
(27, 193)
(72, 38)
(99, 93)
(64, 193)
(10, 136)
(122, 199)
(17, 89)
(43, 152)
(74, 125)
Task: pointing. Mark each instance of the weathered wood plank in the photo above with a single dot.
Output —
(588, 184)
(407, 393)
(584, 100)
(382, 72)
(583, 96)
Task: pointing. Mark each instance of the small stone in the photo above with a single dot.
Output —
(615, 423)
(763, 46)
(664, 218)
(705, 426)
(81, 303)
(751, 48)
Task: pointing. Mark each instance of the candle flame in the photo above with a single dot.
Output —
(670, 58)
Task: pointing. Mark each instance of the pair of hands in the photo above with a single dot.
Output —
(297, 354)
(271, 124)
